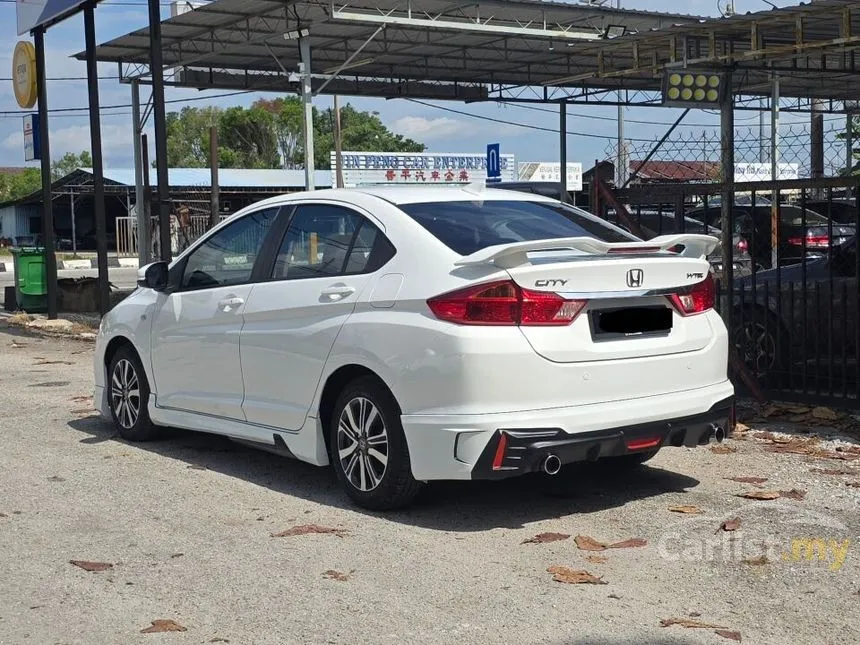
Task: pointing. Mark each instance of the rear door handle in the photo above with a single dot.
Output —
(231, 303)
(337, 292)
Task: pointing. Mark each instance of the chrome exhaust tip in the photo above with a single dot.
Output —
(552, 465)
(718, 434)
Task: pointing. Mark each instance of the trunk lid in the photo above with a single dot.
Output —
(627, 288)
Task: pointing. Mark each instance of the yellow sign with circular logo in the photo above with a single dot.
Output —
(24, 74)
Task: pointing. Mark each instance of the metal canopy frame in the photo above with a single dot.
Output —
(512, 50)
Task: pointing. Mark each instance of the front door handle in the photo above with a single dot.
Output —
(337, 292)
(231, 303)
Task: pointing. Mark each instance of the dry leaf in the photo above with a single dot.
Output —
(825, 414)
(53, 363)
(730, 525)
(83, 411)
(854, 484)
(794, 493)
(542, 538)
(331, 574)
(722, 449)
(574, 576)
(3, 515)
(585, 543)
(86, 565)
(163, 625)
(176, 555)
(748, 480)
(831, 471)
(725, 633)
(306, 529)
(632, 543)
(597, 559)
(219, 640)
(688, 510)
(82, 398)
(686, 622)
(759, 494)
(758, 561)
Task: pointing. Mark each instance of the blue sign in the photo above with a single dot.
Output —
(33, 13)
(494, 162)
(32, 140)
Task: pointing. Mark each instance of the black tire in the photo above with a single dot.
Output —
(632, 460)
(129, 412)
(762, 344)
(370, 482)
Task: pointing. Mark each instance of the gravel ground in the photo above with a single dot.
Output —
(186, 523)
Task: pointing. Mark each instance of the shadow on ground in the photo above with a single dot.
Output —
(445, 506)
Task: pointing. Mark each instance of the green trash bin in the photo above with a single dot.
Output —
(30, 286)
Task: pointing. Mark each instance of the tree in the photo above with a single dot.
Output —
(269, 135)
(360, 131)
(854, 131)
(14, 185)
(70, 162)
(287, 122)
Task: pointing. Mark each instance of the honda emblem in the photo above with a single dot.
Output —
(635, 278)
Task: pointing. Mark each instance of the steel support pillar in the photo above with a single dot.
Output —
(308, 111)
(143, 235)
(156, 66)
(816, 141)
(727, 200)
(96, 153)
(774, 170)
(562, 149)
(47, 197)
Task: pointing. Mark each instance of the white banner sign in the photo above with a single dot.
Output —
(551, 172)
(31, 138)
(362, 168)
(745, 172)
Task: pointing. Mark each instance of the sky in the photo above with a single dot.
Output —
(464, 131)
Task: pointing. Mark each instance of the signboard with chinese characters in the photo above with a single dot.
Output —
(363, 168)
(762, 172)
(551, 172)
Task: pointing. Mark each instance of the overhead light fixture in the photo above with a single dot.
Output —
(692, 88)
(352, 65)
(615, 31)
(296, 34)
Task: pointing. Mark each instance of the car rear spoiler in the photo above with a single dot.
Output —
(508, 256)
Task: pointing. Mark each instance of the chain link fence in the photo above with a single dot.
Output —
(695, 156)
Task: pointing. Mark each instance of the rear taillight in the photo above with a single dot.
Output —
(505, 303)
(743, 245)
(818, 241)
(695, 299)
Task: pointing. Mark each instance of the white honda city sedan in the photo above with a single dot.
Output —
(410, 334)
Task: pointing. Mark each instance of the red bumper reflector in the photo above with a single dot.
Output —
(642, 444)
(500, 452)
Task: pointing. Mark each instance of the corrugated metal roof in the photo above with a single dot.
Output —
(240, 44)
(227, 177)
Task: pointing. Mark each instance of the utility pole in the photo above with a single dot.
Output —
(338, 144)
(621, 157)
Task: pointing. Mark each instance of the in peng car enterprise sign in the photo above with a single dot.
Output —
(418, 168)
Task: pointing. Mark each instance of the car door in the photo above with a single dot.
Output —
(323, 265)
(195, 330)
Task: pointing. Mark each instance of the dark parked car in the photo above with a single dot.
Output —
(841, 211)
(785, 323)
(754, 225)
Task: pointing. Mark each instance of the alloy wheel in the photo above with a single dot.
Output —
(362, 444)
(125, 393)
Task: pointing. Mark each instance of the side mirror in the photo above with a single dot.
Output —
(153, 276)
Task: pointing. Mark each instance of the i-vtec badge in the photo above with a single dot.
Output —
(696, 276)
(635, 278)
(550, 283)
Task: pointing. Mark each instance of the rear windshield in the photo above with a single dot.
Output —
(467, 227)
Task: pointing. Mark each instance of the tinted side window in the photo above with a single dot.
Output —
(325, 240)
(467, 227)
(228, 257)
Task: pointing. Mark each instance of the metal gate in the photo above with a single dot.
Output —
(794, 294)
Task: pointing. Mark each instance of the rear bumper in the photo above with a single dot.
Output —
(455, 446)
(515, 452)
